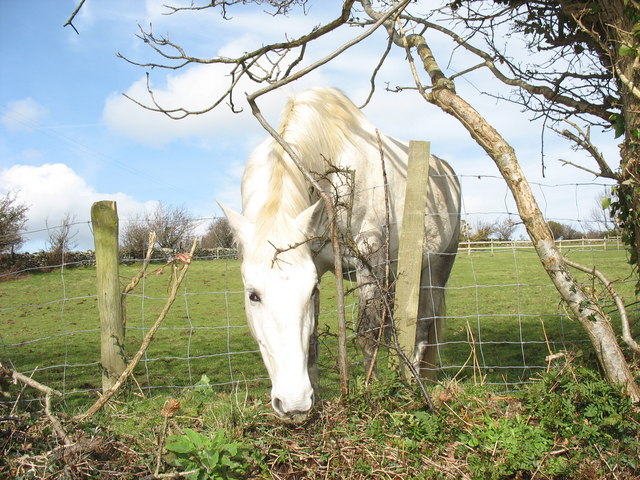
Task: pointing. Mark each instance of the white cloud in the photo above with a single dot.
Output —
(22, 115)
(194, 89)
(53, 190)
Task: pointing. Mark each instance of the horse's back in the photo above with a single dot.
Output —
(354, 161)
(372, 165)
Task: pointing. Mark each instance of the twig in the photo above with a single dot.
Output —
(171, 475)
(372, 80)
(387, 262)
(136, 279)
(583, 141)
(145, 264)
(379, 21)
(30, 381)
(55, 423)
(169, 409)
(145, 342)
(73, 16)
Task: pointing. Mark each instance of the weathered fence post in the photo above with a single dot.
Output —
(104, 218)
(411, 248)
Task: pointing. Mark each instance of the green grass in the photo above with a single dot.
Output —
(49, 323)
(499, 300)
(563, 423)
(569, 423)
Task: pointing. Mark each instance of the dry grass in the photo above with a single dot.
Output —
(31, 450)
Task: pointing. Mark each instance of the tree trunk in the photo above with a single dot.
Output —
(584, 307)
(627, 71)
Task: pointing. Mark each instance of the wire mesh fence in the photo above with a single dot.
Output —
(504, 319)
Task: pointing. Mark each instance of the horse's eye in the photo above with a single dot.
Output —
(254, 297)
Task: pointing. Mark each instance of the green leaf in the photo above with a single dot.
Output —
(215, 459)
(606, 202)
(625, 50)
(204, 381)
(617, 122)
(195, 475)
(179, 444)
(197, 439)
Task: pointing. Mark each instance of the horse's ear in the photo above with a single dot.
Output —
(308, 220)
(241, 227)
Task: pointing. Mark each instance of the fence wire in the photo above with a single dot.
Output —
(504, 317)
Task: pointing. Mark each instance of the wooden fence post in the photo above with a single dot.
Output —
(411, 249)
(104, 218)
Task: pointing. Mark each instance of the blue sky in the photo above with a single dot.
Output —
(69, 138)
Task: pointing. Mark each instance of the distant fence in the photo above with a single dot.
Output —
(42, 259)
(609, 243)
(18, 262)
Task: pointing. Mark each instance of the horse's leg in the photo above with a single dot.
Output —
(314, 347)
(431, 312)
(371, 304)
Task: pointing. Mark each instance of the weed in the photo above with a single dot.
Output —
(205, 457)
(588, 413)
(505, 446)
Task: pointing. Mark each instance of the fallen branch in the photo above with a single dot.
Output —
(28, 381)
(48, 391)
(185, 259)
(55, 423)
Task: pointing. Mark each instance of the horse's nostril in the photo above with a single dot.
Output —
(277, 406)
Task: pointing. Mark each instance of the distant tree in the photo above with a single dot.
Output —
(561, 231)
(61, 239)
(481, 231)
(218, 234)
(134, 237)
(173, 227)
(13, 217)
(503, 229)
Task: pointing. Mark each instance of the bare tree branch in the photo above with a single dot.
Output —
(583, 140)
(241, 66)
(73, 16)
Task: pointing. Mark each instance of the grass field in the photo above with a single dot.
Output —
(504, 318)
(566, 423)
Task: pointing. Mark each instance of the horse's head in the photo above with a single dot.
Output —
(279, 290)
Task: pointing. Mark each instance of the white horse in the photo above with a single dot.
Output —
(280, 212)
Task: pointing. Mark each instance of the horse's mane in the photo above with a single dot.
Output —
(318, 124)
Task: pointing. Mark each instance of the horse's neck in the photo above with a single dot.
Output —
(273, 187)
(316, 125)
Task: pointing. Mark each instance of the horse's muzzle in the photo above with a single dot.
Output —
(297, 413)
